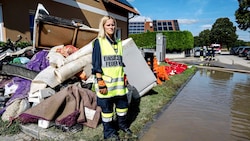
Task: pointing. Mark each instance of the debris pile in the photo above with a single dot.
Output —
(58, 90)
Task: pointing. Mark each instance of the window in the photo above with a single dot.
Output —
(119, 33)
(31, 23)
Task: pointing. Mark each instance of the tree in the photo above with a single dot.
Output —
(242, 14)
(223, 32)
(240, 43)
(197, 41)
(205, 37)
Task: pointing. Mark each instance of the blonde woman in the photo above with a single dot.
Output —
(111, 82)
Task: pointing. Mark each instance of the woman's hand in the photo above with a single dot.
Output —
(102, 86)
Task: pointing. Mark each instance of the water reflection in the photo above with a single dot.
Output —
(240, 109)
(213, 106)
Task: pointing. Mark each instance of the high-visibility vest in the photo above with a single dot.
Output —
(112, 67)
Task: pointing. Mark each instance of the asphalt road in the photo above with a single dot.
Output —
(221, 61)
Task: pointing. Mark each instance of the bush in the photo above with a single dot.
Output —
(175, 40)
(10, 44)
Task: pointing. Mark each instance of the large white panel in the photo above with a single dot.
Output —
(138, 72)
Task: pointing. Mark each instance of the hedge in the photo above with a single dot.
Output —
(176, 40)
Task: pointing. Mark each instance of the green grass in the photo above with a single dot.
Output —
(7, 129)
(142, 110)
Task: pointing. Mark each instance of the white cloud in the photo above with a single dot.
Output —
(206, 26)
(187, 21)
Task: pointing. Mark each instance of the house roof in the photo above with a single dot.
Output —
(124, 4)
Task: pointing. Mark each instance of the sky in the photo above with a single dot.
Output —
(192, 15)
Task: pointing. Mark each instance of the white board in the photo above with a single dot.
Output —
(138, 72)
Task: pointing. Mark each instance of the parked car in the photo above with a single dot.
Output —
(238, 50)
(243, 51)
(197, 51)
(248, 55)
(233, 50)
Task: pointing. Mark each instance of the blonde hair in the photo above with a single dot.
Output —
(104, 19)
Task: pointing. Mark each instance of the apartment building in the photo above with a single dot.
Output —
(147, 25)
(166, 25)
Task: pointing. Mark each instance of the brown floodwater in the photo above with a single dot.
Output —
(213, 106)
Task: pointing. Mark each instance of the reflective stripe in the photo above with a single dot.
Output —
(107, 115)
(116, 92)
(115, 87)
(112, 80)
(118, 110)
(116, 79)
(121, 112)
(106, 119)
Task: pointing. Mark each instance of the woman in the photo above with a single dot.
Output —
(111, 82)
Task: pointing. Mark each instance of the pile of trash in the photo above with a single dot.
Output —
(52, 85)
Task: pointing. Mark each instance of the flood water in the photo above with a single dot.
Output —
(213, 106)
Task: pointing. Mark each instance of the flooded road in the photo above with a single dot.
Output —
(213, 106)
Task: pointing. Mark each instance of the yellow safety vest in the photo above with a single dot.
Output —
(112, 67)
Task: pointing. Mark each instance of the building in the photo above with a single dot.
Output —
(141, 25)
(17, 16)
(136, 27)
(166, 25)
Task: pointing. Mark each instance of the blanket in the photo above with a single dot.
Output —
(69, 106)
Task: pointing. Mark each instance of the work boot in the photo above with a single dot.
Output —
(129, 134)
(108, 130)
(113, 137)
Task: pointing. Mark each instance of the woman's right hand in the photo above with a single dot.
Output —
(102, 86)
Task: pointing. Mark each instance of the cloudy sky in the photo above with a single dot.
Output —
(192, 15)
